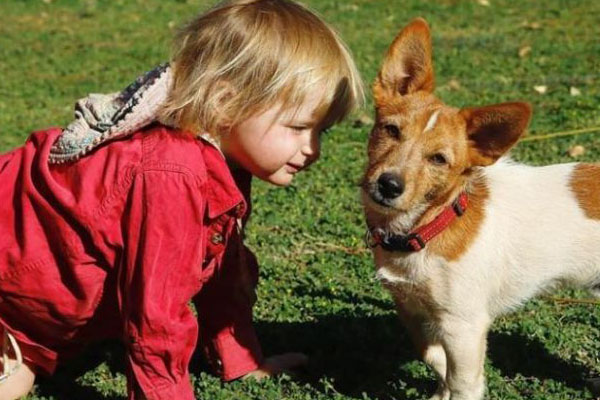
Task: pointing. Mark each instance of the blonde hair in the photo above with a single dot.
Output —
(244, 56)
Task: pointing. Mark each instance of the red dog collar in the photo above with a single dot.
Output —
(416, 239)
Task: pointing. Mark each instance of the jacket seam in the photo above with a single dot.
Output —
(21, 268)
(121, 187)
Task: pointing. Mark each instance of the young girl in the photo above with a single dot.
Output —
(110, 227)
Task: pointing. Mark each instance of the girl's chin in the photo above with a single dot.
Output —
(280, 178)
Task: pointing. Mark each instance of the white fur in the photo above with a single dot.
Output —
(534, 236)
(432, 120)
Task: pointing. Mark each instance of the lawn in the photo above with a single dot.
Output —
(317, 293)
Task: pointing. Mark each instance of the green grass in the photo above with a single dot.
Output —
(317, 293)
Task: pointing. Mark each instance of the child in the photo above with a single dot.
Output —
(117, 222)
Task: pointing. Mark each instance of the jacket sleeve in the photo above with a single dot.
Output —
(159, 275)
(224, 308)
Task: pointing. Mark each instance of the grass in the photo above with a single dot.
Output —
(317, 293)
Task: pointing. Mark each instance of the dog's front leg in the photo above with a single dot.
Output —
(465, 346)
(430, 350)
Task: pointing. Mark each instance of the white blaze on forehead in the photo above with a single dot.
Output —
(432, 120)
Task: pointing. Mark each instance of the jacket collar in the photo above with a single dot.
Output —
(225, 189)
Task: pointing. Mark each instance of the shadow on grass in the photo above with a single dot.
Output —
(374, 355)
(516, 354)
(63, 385)
(359, 354)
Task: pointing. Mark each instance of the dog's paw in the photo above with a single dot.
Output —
(441, 394)
(445, 396)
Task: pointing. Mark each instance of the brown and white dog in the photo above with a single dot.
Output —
(459, 233)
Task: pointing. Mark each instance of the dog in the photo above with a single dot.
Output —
(461, 234)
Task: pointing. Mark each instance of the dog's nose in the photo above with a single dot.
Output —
(389, 185)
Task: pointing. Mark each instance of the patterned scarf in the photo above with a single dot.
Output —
(100, 118)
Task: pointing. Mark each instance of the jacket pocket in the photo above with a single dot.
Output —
(50, 299)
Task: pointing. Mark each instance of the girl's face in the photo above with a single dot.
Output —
(276, 144)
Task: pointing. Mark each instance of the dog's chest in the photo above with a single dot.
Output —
(410, 278)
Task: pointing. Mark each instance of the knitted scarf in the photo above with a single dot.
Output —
(100, 118)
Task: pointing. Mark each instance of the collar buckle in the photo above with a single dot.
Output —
(458, 208)
(414, 239)
(459, 205)
(411, 242)
(370, 241)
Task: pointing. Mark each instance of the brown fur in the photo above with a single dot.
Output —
(455, 240)
(585, 183)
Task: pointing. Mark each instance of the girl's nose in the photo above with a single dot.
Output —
(312, 145)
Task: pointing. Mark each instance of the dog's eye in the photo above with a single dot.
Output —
(392, 130)
(438, 159)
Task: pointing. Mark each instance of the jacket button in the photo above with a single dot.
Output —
(216, 238)
(237, 211)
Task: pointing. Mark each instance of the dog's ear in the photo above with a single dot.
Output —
(493, 130)
(407, 67)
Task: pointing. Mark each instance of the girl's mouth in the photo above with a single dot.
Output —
(292, 168)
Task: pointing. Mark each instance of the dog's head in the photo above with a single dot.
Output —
(421, 152)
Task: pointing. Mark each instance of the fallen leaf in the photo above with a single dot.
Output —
(504, 79)
(541, 89)
(531, 25)
(576, 151)
(574, 91)
(454, 84)
(524, 51)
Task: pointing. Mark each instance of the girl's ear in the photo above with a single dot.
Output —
(407, 67)
(223, 93)
(493, 130)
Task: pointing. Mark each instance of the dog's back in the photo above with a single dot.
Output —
(541, 227)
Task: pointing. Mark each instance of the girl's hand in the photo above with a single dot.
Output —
(278, 364)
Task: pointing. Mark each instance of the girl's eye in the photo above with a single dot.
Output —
(438, 159)
(392, 130)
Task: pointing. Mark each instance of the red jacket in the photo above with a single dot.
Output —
(115, 245)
